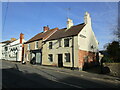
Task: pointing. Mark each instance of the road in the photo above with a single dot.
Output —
(16, 75)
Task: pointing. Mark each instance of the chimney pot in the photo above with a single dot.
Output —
(45, 28)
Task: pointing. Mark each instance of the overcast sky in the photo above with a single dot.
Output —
(30, 17)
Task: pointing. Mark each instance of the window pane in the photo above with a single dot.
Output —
(59, 42)
(28, 46)
(67, 57)
(50, 57)
(36, 44)
(66, 42)
(50, 45)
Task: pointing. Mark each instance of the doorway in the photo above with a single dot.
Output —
(60, 61)
(38, 58)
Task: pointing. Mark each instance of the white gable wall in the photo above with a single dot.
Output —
(86, 38)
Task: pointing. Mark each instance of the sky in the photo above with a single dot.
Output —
(29, 18)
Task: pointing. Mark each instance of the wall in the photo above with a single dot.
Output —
(26, 52)
(86, 39)
(32, 47)
(114, 68)
(86, 57)
(60, 50)
(87, 42)
(1, 50)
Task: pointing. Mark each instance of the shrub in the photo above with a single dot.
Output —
(107, 59)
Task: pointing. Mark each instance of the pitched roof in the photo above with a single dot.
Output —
(42, 35)
(74, 30)
(8, 41)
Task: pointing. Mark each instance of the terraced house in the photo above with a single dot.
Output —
(73, 46)
(12, 50)
(33, 47)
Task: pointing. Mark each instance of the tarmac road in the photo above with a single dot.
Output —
(16, 75)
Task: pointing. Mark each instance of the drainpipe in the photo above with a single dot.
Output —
(72, 53)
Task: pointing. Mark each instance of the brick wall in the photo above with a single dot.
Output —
(86, 57)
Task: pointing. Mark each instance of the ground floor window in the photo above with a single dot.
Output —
(67, 57)
(50, 57)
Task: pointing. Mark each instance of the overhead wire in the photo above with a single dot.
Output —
(5, 16)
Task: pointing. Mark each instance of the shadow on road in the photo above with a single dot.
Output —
(13, 78)
(98, 70)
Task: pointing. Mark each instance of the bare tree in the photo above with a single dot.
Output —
(117, 34)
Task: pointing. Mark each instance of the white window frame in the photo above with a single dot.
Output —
(60, 42)
(68, 42)
(36, 44)
(66, 57)
(50, 45)
(28, 48)
(50, 57)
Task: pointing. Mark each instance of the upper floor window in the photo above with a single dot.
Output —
(66, 42)
(6, 48)
(28, 46)
(60, 44)
(50, 57)
(36, 44)
(67, 57)
(50, 45)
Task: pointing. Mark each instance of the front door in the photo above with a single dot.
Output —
(38, 58)
(60, 61)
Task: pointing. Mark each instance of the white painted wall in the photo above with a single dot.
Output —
(11, 54)
(2, 50)
(86, 38)
(1, 44)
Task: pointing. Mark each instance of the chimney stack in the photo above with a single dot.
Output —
(69, 23)
(45, 28)
(21, 37)
(13, 39)
(87, 18)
